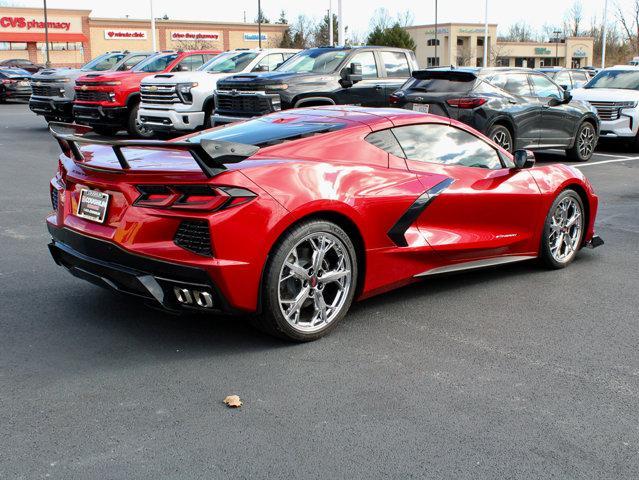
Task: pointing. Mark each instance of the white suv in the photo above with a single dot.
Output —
(614, 92)
(184, 101)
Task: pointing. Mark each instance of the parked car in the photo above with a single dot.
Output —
(109, 102)
(567, 78)
(294, 215)
(614, 92)
(22, 63)
(54, 88)
(516, 108)
(184, 101)
(317, 76)
(14, 84)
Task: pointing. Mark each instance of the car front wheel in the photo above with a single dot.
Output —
(585, 143)
(309, 283)
(501, 136)
(563, 230)
(135, 127)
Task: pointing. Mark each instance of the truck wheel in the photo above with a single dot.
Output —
(208, 111)
(136, 128)
(585, 142)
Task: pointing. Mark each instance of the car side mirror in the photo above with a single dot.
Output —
(351, 75)
(567, 96)
(523, 159)
(181, 68)
(261, 68)
(565, 87)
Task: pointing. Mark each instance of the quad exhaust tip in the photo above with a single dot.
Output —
(193, 297)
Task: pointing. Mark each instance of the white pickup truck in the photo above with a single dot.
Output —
(184, 101)
(614, 92)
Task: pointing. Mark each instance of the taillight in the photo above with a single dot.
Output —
(396, 98)
(192, 197)
(7, 81)
(466, 102)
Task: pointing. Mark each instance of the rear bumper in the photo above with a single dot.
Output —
(51, 107)
(170, 120)
(98, 115)
(155, 281)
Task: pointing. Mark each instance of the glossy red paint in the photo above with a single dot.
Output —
(482, 214)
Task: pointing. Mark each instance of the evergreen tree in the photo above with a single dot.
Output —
(395, 36)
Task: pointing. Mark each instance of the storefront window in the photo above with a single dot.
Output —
(13, 46)
(60, 46)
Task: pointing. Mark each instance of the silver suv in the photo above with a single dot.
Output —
(184, 101)
(54, 88)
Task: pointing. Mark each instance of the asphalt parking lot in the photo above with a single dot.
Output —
(515, 372)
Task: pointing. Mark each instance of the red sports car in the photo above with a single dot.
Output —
(293, 215)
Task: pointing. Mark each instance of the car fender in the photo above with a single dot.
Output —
(584, 117)
(299, 102)
(502, 118)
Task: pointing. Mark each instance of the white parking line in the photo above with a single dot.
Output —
(623, 159)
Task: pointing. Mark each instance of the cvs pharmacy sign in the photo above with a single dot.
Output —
(27, 24)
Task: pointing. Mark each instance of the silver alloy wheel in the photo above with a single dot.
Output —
(586, 141)
(314, 282)
(143, 131)
(502, 139)
(566, 225)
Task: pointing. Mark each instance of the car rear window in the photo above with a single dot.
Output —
(442, 82)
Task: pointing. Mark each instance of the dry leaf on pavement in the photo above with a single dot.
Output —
(233, 401)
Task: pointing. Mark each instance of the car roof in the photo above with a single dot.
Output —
(623, 67)
(358, 47)
(14, 71)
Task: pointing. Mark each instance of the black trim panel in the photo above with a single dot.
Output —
(398, 230)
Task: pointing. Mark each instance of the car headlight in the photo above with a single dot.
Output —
(276, 86)
(629, 104)
(184, 91)
(64, 80)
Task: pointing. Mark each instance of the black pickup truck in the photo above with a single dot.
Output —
(317, 76)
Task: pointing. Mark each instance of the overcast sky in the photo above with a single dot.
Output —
(357, 13)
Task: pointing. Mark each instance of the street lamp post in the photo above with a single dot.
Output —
(436, 41)
(259, 23)
(603, 35)
(330, 23)
(46, 35)
(153, 40)
(486, 35)
(340, 24)
(557, 32)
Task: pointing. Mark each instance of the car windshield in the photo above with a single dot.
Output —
(157, 63)
(624, 79)
(104, 62)
(314, 60)
(230, 62)
(14, 73)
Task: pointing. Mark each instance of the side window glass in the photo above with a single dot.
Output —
(385, 140)
(579, 79)
(396, 64)
(563, 78)
(367, 60)
(516, 84)
(269, 62)
(544, 88)
(129, 63)
(446, 145)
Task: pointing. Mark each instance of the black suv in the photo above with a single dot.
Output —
(515, 107)
(317, 76)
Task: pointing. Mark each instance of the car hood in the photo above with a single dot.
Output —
(275, 77)
(57, 73)
(184, 77)
(604, 94)
(111, 76)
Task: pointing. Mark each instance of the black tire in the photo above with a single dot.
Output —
(134, 127)
(273, 320)
(502, 137)
(546, 253)
(208, 111)
(106, 131)
(585, 143)
(50, 118)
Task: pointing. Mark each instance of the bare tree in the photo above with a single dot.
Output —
(497, 51)
(464, 55)
(573, 18)
(629, 21)
(195, 44)
(519, 32)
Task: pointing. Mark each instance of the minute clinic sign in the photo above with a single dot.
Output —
(125, 35)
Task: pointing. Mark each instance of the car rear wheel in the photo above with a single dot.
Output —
(563, 230)
(310, 282)
(501, 136)
(135, 127)
(585, 143)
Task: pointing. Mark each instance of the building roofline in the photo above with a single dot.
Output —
(49, 10)
(451, 24)
(170, 22)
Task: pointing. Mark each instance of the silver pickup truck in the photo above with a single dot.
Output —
(53, 89)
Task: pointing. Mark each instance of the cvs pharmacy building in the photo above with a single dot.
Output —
(75, 37)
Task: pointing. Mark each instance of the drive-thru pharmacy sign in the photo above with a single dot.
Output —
(184, 35)
(22, 23)
(125, 34)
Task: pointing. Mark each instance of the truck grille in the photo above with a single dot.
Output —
(240, 87)
(242, 103)
(159, 94)
(193, 235)
(91, 96)
(608, 110)
(45, 90)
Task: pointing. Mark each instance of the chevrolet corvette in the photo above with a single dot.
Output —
(292, 216)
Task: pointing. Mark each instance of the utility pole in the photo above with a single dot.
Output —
(436, 41)
(153, 40)
(486, 35)
(330, 23)
(259, 23)
(603, 34)
(340, 24)
(46, 35)
(557, 32)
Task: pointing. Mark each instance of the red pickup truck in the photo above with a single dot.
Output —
(109, 101)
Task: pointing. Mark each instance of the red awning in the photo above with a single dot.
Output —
(39, 37)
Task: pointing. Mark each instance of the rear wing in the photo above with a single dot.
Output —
(210, 155)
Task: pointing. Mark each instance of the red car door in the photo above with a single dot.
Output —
(484, 209)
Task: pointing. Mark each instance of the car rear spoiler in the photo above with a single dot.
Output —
(456, 75)
(210, 155)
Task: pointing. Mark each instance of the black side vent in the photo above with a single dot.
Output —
(193, 235)
(54, 199)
